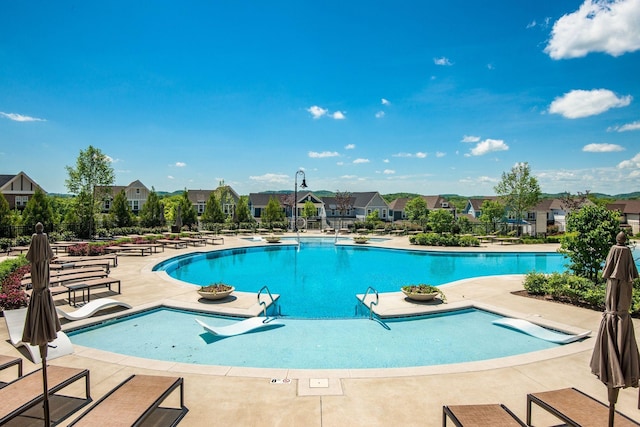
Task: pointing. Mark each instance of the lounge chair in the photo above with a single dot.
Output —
(491, 415)
(14, 319)
(7, 362)
(90, 308)
(134, 401)
(26, 392)
(575, 408)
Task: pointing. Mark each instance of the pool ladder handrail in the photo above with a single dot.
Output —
(364, 297)
(262, 303)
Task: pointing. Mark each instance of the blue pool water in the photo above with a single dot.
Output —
(173, 335)
(321, 280)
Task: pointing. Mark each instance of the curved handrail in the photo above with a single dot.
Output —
(364, 297)
(262, 303)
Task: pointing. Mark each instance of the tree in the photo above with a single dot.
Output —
(344, 204)
(38, 209)
(417, 211)
(441, 221)
(492, 214)
(243, 213)
(212, 210)
(5, 217)
(309, 209)
(120, 214)
(187, 211)
(152, 212)
(519, 191)
(591, 231)
(273, 211)
(91, 179)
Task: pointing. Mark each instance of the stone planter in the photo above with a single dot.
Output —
(216, 295)
(272, 239)
(421, 297)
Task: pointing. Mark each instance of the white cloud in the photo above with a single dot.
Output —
(170, 177)
(340, 163)
(626, 127)
(350, 146)
(602, 148)
(385, 161)
(490, 67)
(385, 101)
(531, 24)
(20, 118)
(389, 172)
(470, 138)
(442, 61)
(379, 114)
(317, 112)
(597, 26)
(323, 154)
(272, 178)
(349, 176)
(632, 163)
(338, 115)
(419, 155)
(180, 164)
(358, 161)
(584, 103)
(440, 154)
(488, 146)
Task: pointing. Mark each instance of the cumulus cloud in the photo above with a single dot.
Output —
(379, 114)
(440, 154)
(631, 163)
(349, 176)
(584, 103)
(350, 146)
(442, 61)
(470, 138)
(388, 172)
(489, 146)
(338, 115)
(358, 161)
(317, 112)
(602, 148)
(419, 155)
(626, 127)
(272, 178)
(385, 101)
(180, 164)
(170, 177)
(20, 118)
(323, 154)
(597, 26)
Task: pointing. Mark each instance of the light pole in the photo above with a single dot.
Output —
(295, 197)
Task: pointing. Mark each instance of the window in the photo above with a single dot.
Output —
(22, 200)
(134, 204)
(384, 213)
(107, 205)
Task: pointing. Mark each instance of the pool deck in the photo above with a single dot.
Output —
(233, 396)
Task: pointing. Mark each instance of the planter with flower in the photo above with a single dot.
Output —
(215, 291)
(422, 292)
(361, 239)
(272, 239)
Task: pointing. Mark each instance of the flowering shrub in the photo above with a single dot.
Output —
(12, 295)
(81, 249)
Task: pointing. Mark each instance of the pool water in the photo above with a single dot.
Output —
(173, 335)
(320, 280)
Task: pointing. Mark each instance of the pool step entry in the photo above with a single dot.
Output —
(364, 298)
(264, 304)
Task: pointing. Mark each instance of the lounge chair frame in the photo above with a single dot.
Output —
(490, 415)
(87, 286)
(7, 362)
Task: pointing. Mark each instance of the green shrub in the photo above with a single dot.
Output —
(469, 241)
(536, 283)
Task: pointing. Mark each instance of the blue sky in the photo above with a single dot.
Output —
(416, 96)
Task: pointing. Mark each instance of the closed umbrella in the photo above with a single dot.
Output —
(41, 323)
(615, 359)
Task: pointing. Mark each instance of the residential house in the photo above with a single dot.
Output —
(258, 202)
(17, 189)
(339, 213)
(225, 194)
(136, 193)
(368, 202)
(474, 206)
(397, 207)
(629, 213)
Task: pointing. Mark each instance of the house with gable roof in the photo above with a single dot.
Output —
(397, 207)
(629, 213)
(225, 194)
(367, 203)
(258, 202)
(17, 189)
(136, 193)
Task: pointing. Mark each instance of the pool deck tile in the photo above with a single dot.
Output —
(235, 396)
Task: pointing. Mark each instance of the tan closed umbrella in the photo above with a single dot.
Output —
(615, 360)
(41, 324)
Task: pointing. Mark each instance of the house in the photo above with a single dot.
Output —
(339, 213)
(368, 202)
(136, 193)
(258, 202)
(17, 189)
(629, 213)
(224, 193)
(474, 206)
(397, 207)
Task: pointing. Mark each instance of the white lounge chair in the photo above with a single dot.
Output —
(14, 319)
(244, 326)
(539, 332)
(90, 308)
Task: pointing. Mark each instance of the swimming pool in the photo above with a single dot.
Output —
(450, 337)
(321, 280)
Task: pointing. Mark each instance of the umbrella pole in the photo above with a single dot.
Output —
(613, 398)
(45, 402)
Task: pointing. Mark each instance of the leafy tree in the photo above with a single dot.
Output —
(92, 178)
(417, 211)
(344, 203)
(309, 209)
(373, 216)
(5, 216)
(463, 225)
(590, 233)
(242, 210)
(492, 213)
(213, 210)
(441, 221)
(38, 209)
(273, 211)
(519, 191)
(152, 212)
(187, 211)
(120, 214)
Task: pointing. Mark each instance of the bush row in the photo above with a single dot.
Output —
(434, 239)
(11, 273)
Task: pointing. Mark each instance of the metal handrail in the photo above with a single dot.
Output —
(364, 297)
(262, 303)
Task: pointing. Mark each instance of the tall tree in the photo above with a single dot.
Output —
(492, 213)
(243, 213)
(417, 210)
(441, 221)
(92, 179)
(591, 231)
(519, 191)
(38, 209)
(5, 217)
(151, 214)
(273, 211)
(121, 215)
(188, 213)
(213, 210)
(344, 204)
